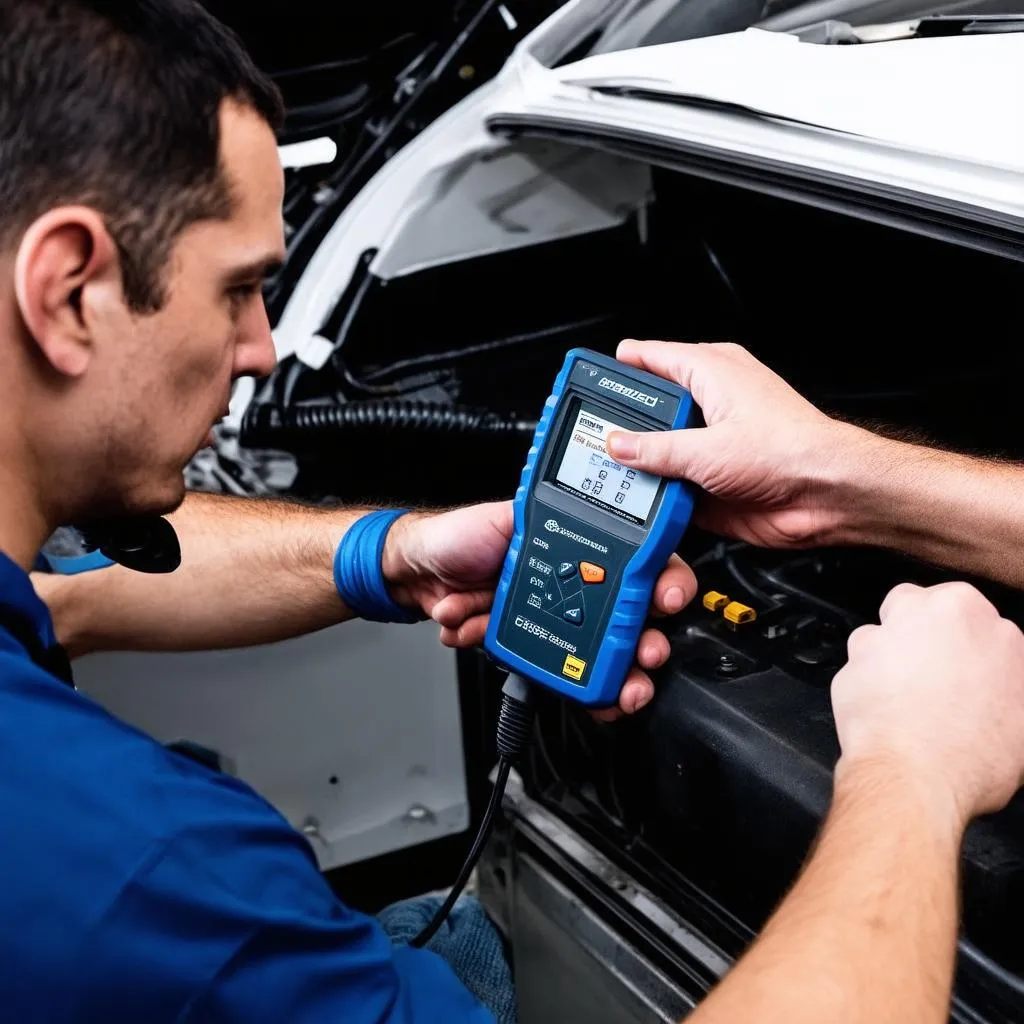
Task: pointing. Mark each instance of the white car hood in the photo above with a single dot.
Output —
(937, 123)
(958, 97)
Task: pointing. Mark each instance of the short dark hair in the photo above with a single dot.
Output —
(115, 104)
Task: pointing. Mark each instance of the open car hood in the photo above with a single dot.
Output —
(906, 160)
(956, 97)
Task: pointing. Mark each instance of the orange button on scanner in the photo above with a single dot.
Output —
(591, 573)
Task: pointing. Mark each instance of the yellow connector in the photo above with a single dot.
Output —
(714, 601)
(738, 614)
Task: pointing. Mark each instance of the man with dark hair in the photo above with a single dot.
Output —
(140, 209)
(126, 122)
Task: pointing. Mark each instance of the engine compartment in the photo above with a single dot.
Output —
(715, 792)
(852, 313)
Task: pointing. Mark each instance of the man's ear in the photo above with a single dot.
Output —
(61, 253)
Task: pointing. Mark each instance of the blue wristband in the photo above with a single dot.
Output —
(358, 575)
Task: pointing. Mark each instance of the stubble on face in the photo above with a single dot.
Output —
(174, 368)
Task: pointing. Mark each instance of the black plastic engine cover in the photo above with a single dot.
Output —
(741, 751)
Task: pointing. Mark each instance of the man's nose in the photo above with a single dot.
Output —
(255, 354)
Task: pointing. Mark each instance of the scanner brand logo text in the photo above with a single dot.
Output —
(553, 526)
(621, 389)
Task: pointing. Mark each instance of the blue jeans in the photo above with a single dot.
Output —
(468, 941)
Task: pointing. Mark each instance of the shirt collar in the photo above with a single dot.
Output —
(17, 593)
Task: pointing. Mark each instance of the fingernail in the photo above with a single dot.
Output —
(622, 446)
(643, 698)
(673, 599)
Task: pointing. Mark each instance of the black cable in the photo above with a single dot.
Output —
(748, 584)
(418, 383)
(481, 349)
(353, 175)
(482, 835)
(345, 62)
(1008, 979)
(795, 591)
(515, 723)
(723, 276)
(715, 554)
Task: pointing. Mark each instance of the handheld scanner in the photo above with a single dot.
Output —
(590, 536)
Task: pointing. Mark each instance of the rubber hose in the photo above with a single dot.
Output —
(264, 425)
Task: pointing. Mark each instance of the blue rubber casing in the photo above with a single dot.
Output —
(554, 521)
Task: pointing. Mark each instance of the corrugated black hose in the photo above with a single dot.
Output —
(267, 426)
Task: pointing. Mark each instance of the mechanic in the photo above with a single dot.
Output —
(929, 709)
(140, 209)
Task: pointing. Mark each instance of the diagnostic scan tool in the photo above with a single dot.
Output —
(591, 536)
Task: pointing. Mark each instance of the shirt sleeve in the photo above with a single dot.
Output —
(230, 920)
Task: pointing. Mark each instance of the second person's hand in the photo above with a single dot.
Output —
(934, 695)
(775, 471)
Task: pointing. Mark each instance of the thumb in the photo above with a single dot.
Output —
(679, 454)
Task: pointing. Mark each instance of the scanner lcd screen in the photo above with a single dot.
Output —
(588, 470)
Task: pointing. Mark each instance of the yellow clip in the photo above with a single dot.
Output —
(739, 613)
(714, 601)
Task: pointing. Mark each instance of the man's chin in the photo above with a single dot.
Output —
(170, 504)
(155, 502)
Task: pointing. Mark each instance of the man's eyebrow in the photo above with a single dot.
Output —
(257, 270)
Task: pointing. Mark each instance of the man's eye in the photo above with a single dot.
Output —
(239, 294)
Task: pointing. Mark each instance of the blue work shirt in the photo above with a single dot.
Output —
(139, 886)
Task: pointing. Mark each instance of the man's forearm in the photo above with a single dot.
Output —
(869, 931)
(951, 510)
(252, 572)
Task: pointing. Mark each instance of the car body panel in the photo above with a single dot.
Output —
(530, 92)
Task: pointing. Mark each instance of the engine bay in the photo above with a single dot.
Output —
(715, 792)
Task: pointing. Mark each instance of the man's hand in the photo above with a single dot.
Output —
(930, 714)
(768, 460)
(448, 566)
(777, 472)
(936, 692)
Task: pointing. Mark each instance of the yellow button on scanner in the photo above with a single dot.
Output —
(739, 613)
(714, 601)
(573, 667)
(591, 572)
